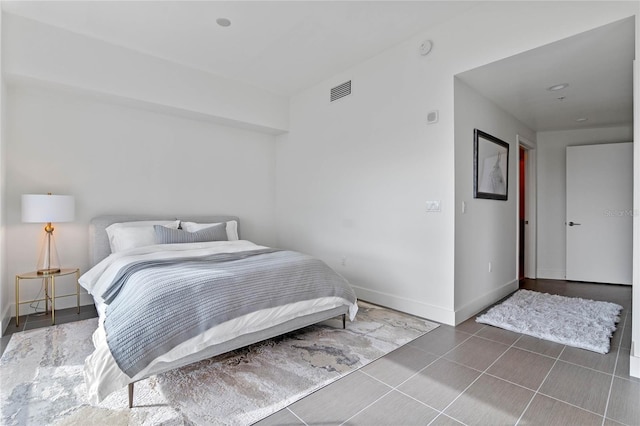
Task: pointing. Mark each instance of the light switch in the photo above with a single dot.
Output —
(433, 206)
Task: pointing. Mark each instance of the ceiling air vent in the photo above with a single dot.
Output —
(341, 91)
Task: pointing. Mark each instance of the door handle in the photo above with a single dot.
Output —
(574, 224)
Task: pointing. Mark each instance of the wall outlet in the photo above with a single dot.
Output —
(490, 267)
(434, 206)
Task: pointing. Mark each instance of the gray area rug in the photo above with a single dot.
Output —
(42, 374)
(572, 321)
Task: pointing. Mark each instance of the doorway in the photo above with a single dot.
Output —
(599, 213)
(521, 212)
(526, 211)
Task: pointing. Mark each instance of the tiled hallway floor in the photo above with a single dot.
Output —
(481, 375)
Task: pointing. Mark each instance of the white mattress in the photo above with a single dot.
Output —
(102, 374)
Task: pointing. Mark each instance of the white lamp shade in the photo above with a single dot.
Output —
(48, 208)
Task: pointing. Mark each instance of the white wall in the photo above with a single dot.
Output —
(353, 176)
(487, 232)
(634, 362)
(552, 159)
(125, 132)
(4, 291)
(117, 159)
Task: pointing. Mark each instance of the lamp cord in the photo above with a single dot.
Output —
(37, 304)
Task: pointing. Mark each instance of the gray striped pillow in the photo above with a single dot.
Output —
(165, 235)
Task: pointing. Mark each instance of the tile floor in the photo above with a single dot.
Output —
(470, 374)
(475, 374)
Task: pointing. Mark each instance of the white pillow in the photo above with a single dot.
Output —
(127, 235)
(232, 228)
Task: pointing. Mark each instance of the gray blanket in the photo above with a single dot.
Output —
(154, 306)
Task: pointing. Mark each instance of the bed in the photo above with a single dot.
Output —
(201, 292)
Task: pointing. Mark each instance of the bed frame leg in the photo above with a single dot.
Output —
(344, 321)
(130, 395)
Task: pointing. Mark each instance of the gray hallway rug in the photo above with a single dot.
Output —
(42, 374)
(572, 321)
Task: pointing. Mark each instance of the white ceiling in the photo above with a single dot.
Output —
(281, 46)
(597, 65)
(286, 46)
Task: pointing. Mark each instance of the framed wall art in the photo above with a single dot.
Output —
(490, 166)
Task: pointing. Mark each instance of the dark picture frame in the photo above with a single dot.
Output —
(490, 166)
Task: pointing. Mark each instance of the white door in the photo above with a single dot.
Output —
(599, 213)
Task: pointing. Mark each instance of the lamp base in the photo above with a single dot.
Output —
(48, 262)
(48, 271)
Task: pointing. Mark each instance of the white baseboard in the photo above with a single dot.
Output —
(634, 361)
(467, 311)
(4, 319)
(551, 274)
(410, 306)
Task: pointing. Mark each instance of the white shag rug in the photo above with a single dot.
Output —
(572, 321)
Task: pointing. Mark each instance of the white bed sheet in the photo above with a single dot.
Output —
(102, 374)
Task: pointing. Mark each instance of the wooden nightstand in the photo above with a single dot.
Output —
(47, 280)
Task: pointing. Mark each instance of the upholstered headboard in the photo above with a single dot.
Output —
(99, 247)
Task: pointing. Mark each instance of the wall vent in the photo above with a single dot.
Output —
(341, 91)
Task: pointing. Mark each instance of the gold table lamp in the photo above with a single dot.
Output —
(40, 208)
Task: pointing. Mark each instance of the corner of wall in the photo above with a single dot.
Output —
(4, 305)
(634, 361)
(404, 304)
(5, 319)
(470, 309)
(485, 260)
